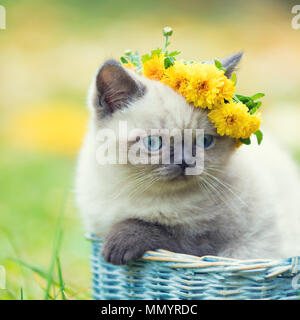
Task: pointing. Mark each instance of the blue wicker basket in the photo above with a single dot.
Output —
(164, 275)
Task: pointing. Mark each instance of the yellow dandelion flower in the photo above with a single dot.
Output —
(154, 68)
(208, 86)
(226, 91)
(178, 77)
(234, 120)
(254, 122)
(129, 65)
(205, 83)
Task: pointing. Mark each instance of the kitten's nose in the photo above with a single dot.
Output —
(183, 165)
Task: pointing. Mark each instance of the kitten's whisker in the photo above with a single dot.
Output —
(217, 191)
(227, 187)
(129, 181)
(202, 183)
(216, 169)
(139, 191)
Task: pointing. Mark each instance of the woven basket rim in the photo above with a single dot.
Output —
(181, 260)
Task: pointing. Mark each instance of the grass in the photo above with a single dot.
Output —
(41, 234)
(55, 257)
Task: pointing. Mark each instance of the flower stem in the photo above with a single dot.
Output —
(166, 43)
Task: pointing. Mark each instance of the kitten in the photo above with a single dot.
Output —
(245, 204)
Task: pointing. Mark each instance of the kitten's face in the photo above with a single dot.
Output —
(156, 106)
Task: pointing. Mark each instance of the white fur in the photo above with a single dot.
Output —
(262, 218)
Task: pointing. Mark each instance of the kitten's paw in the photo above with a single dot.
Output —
(120, 249)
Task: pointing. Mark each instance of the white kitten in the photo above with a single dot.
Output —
(245, 204)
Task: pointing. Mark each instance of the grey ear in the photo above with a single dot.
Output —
(115, 88)
(230, 63)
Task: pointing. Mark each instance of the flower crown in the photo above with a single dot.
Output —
(206, 86)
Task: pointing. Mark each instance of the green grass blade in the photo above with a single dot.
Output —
(52, 264)
(60, 277)
(57, 242)
(37, 270)
(43, 274)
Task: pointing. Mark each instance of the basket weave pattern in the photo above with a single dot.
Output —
(164, 275)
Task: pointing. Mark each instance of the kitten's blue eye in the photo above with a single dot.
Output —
(153, 143)
(205, 141)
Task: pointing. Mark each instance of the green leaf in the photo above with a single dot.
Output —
(156, 52)
(145, 57)
(259, 136)
(250, 104)
(258, 104)
(256, 107)
(242, 98)
(219, 65)
(233, 78)
(168, 62)
(257, 96)
(123, 60)
(246, 141)
(174, 53)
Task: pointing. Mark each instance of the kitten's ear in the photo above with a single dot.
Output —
(230, 63)
(116, 87)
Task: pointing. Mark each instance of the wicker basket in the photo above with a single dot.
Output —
(164, 275)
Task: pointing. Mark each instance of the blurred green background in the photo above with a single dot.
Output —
(48, 55)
